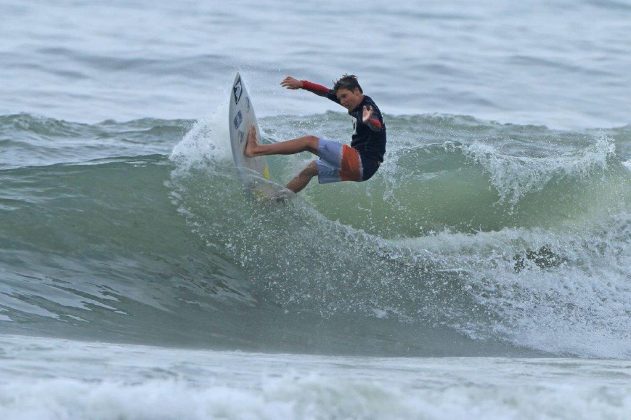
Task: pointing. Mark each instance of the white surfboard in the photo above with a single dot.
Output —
(254, 172)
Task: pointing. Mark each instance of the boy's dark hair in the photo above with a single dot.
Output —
(348, 81)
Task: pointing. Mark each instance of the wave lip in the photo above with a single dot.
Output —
(516, 176)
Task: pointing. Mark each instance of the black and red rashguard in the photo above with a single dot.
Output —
(368, 139)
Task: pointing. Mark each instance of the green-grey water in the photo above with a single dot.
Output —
(482, 273)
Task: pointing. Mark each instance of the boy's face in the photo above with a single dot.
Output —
(349, 99)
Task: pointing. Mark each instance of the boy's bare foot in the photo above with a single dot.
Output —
(251, 143)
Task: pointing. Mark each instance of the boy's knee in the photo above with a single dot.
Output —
(312, 144)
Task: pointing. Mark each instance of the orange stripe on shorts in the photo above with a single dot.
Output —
(350, 169)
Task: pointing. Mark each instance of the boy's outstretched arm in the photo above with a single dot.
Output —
(292, 83)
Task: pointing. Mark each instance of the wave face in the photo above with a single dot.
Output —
(473, 238)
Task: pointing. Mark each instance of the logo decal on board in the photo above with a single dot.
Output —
(237, 119)
(237, 90)
(248, 103)
(241, 136)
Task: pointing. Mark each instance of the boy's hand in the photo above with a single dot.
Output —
(291, 83)
(367, 113)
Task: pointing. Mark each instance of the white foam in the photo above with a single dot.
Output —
(206, 142)
(305, 397)
(579, 306)
(62, 379)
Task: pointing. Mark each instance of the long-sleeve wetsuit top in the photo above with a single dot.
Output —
(369, 138)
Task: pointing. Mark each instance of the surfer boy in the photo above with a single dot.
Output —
(338, 162)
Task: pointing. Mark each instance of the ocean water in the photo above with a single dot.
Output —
(482, 273)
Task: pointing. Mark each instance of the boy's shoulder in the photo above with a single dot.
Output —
(369, 101)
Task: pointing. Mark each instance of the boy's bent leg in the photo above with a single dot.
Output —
(300, 182)
(289, 147)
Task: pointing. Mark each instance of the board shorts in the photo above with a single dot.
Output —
(338, 162)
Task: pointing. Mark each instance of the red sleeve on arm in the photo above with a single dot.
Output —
(315, 88)
(374, 123)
